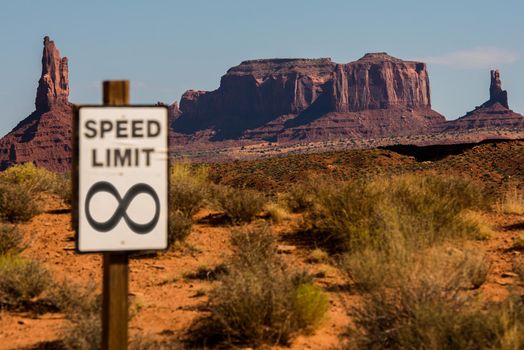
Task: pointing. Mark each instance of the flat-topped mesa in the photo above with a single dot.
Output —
(379, 81)
(260, 91)
(53, 86)
(496, 94)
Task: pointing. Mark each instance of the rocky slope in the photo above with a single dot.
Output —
(287, 99)
(492, 114)
(44, 137)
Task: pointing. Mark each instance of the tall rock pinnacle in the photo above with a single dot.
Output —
(496, 94)
(53, 86)
(44, 137)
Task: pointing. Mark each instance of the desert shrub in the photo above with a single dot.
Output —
(63, 187)
(476, 222)
(75, 300)
(422, 305)
(180, 226)
(427, 320)
(84, 333)
(424, 210)
(11, 240)
(311, 304)
(276, 212)
(144, 342)
(21, 280)
(512, 201)
(81, 305)
(239, 205)
(30, 177)
(17, 203)
(300, 196)
(260, 300)
(189, 188)
(207, 273)
(453, 268)
(318, 255)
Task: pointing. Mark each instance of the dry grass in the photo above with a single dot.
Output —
(81, 305)
(11, 240)
(276, 212)
(421, 303)
(239, 205)
(423, 210)
(21, 280)
(512, 202)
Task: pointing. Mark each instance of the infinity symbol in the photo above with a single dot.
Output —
(123, 204)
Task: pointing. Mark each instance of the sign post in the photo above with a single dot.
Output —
(120, 168)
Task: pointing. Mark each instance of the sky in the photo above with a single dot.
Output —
(167, 47)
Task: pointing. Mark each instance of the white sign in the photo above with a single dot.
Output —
(122, 178)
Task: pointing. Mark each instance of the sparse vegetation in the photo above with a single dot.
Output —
(276, 212)
(17, 203)
(260, 300)
(239, 205)
(318, 255)
(179, 226)
(420, 209)
(21, 280)
(31, 178)
(82, 307)
(428, 315)
(512, 201)
(11, 240)
(189, 188)
(208, 273)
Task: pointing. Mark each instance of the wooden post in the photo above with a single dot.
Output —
(115, 309)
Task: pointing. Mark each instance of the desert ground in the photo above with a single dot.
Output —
(170, 291)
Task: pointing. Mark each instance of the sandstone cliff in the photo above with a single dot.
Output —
(267, 98)
(44, 137)
(492, 114)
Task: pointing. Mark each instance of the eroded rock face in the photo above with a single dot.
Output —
(380, 81)
(268, 97)
(44, 137)
(492, 114)
(53, 86)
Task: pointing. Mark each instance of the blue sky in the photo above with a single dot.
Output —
(167, 47)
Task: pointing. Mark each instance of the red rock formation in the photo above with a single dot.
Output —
(492, 114)
(44, 137)
(265, 98)
(379, 81)
(53, 86)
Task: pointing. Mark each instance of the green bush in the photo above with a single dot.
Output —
(21, 280)
(17, 203)
(11, 240)
(260, 300)
(239, 205)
